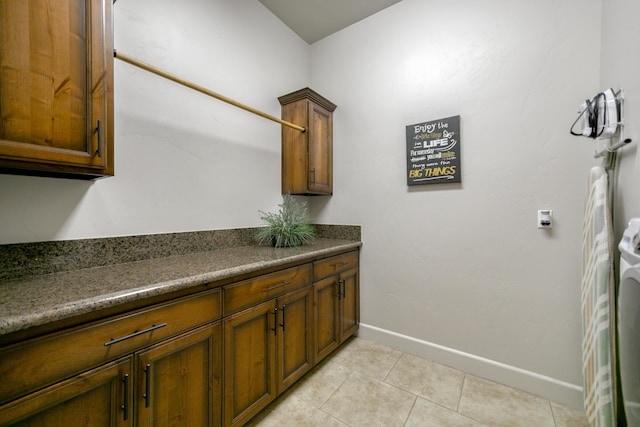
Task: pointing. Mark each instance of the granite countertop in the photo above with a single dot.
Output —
(39, 300)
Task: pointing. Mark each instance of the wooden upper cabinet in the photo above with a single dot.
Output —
(307, 157)
(56, 88)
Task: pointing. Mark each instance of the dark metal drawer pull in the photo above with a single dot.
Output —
(341, 293)
(99, 130)
(282, 324)
(339, 264)
(125, 406)
(275, 322)
(135, 334)
(147, 384)
(286, 282)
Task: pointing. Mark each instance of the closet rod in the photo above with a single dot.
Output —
(161, 73)
(612, 149)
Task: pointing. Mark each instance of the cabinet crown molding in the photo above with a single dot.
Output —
(307, 93)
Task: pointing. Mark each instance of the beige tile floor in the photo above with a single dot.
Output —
(367, 384)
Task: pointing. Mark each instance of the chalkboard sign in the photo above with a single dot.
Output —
(433, 152)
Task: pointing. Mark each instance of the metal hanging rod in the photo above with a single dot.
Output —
(161, 73)
(612, 148)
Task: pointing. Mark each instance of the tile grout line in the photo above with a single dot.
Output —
(391, 369)
(553, 415)
(381, 381)
(320, 408)
(415, 400)
(464, 380)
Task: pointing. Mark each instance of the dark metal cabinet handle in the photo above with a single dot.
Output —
(286, 282)
(341, 290)
(147, 391)
(125, 406)
(313, 176)
(275, 321)
(339, 264)
(282, 324)
(99, 130)
(135, 334)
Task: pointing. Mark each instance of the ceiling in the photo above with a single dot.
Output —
(314, 20)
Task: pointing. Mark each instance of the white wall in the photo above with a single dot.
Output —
(184, 161)
(457, 272)
(460, 271)
(620, 67)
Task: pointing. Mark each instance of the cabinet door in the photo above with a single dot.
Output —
(326, 312)
(179, 380)
(320, 178)
(295, 175)
(249, 355)
(307, 158)
(349, 303)
(294, 336)
(100, 397)
(56, 96)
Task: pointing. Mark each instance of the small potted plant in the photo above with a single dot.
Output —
(289, 226)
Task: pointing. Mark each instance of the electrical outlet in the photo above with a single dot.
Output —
(545, 218)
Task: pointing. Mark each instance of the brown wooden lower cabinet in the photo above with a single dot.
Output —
(99, 397)
(327, 313)
(336, 310)
(295, 333)
(179, 380)
(267, 348)
(175, 383)
(249, 362)
(213, 358)
(349, 303)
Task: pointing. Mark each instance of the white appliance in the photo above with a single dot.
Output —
(629, 321)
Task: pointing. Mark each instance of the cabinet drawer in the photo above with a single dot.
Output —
(244, 294)
(27, 366)
(337, 264)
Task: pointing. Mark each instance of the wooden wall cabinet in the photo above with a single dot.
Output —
(307, 157)
(56, 88)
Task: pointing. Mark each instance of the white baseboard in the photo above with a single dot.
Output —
(531, 382)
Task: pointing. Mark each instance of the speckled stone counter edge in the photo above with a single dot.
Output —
(39, 300)
(32, 259)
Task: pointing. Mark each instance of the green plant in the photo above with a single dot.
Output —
(289, 226)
